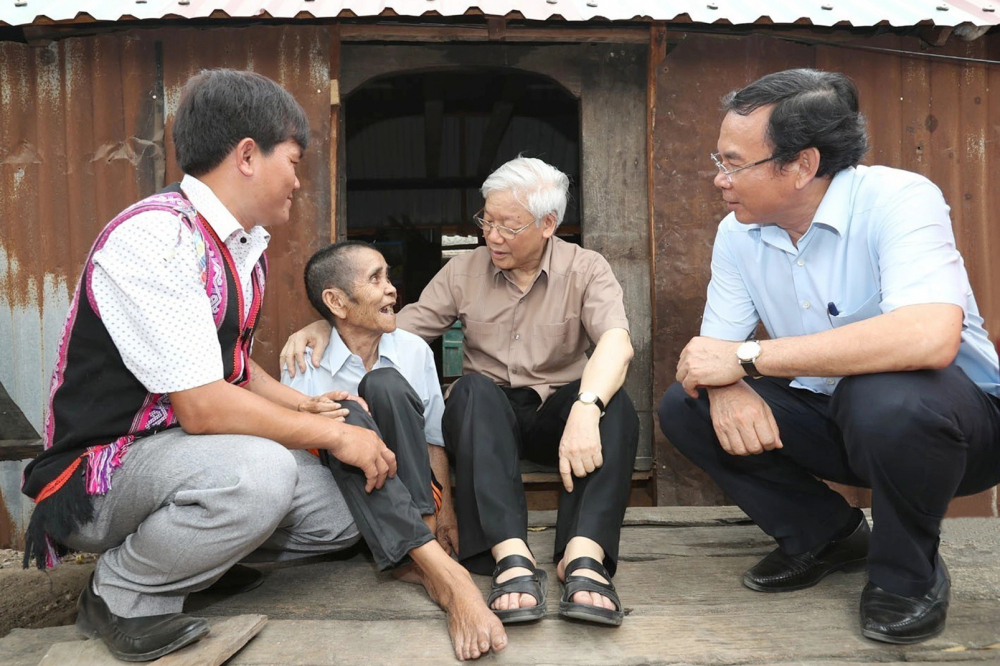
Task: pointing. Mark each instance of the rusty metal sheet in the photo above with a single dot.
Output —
(76, 146)
(931, 116)
(814, 12)
(687, 209)
(297, 57)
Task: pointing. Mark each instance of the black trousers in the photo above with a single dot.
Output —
(389, 519)
(487, 429)
(917, 439)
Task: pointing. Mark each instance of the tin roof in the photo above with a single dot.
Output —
(857, 13)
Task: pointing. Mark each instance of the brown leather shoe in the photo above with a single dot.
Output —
(780, 572)
(135, 638)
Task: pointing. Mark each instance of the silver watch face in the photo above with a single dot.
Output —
(588, 397)
(748, 351)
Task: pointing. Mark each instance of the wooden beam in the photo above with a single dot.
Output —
(376, 184)
(496, 28)
(367, 32)
(503, 108)
(433, 125)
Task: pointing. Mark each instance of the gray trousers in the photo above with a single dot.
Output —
(184, 508)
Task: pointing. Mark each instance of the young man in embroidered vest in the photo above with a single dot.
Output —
(393, 372)
(168, 450)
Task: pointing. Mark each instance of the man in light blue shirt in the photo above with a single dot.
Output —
(877, 371)
(391, 384)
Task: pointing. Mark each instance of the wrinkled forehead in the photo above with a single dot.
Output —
(503, 204)
(366, 261)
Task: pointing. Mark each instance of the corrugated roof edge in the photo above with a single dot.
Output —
(833, 13)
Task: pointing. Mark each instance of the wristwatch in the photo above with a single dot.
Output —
(747, 353)
(591, 398)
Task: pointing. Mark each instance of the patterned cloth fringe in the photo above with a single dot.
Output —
(102, 461)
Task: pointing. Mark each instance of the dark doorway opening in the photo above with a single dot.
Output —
(420, 145)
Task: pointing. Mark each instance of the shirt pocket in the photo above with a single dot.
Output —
(867, 311)
(482, 336)
(555, 332)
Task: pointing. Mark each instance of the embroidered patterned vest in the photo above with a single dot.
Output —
(97, 407)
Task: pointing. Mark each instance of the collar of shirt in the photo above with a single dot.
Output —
(337, 353)
(544, 265)
(215, 212)
(833, 213)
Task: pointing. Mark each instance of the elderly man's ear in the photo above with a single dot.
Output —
(336, 302)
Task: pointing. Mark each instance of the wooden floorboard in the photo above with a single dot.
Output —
(679, 579)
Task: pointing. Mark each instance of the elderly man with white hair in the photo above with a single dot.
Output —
(531, 306)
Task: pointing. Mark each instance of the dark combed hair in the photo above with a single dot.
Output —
(221, 107)
(812, 109)
(331, 267)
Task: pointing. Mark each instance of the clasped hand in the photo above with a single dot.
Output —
(707, 362)
(328, 404)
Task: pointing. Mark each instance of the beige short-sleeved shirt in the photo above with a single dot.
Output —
(538, 338)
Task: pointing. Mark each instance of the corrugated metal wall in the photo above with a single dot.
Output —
(933, 116)
(82, 136)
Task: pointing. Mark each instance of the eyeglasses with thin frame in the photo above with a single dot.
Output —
(505, 232)
(729, 172)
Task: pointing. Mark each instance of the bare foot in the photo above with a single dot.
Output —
(474, 628)
(408, 573)
(583, 597)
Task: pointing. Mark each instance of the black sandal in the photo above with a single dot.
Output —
(574, 584)
(533, 584)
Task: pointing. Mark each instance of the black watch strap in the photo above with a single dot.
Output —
(597, 401)
(750, 369)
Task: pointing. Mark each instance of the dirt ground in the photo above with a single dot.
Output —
(32, 599)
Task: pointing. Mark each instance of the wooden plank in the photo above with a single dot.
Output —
(14, 427)
(20, 449)
(680, 587)
(226, 638)
(356, 32)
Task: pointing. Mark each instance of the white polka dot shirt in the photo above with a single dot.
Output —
(150, 297)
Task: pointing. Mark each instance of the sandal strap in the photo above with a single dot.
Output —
(527, 584)
(586, 563)
(511, 562)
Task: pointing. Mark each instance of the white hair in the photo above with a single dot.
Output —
(539, 187)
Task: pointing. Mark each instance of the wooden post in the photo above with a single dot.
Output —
(335, 138)
(613, 143)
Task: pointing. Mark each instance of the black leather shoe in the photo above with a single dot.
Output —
(135, 638)
(237, 580)
(892, 618)
(779, 572)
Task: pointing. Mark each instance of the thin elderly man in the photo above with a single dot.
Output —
(393, 372)
(878, 372)
(168, 450)
(530, 305)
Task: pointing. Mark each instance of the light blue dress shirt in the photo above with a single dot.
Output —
(340, 370)
(881, 239)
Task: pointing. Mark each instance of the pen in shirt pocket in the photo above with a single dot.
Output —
(831, 308)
